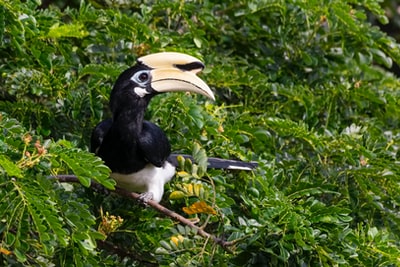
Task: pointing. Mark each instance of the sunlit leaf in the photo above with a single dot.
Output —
(9, 167)
(67, 30)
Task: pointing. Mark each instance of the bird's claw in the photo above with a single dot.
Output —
(145, 197)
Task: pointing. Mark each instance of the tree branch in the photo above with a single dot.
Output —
(132, 195)
(123, 252)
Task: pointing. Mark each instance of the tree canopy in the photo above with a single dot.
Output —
(302, 87)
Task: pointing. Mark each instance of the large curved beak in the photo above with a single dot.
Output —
(172, 72)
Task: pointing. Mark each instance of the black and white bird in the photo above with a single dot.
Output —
(137, 151)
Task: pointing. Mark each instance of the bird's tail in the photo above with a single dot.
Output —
(217, 163)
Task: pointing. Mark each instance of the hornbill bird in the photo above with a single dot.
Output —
(137, 151)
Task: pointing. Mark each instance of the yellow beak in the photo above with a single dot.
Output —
(172, 72)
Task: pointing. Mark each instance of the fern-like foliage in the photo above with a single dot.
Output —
(39, 215)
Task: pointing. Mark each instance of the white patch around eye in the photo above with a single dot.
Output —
(140, 91)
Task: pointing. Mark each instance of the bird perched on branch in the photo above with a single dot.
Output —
(137, 151)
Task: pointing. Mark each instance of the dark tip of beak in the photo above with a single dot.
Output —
(194, 66)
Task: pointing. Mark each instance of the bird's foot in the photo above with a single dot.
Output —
(145, 197)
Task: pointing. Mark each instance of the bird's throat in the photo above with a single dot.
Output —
(128, 123)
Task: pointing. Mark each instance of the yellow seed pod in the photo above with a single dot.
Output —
(188, 164)
(189, 189)
(183, 174)
(197, 189)
(177, 195)
(177, 239)
(181, 162)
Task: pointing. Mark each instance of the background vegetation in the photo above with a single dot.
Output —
(302, 87)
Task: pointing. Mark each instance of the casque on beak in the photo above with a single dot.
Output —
(172, 72)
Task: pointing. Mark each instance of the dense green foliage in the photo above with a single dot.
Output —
(301, 86)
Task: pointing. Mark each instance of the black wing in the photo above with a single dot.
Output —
(154, 144)
(98, 134)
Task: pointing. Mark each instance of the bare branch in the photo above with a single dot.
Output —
(132, 195)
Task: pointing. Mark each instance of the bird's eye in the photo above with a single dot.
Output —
(141, 77)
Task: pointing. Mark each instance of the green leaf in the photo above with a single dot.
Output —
(196, 116)
(197, 42)
(20, 256)
(78, 170)
(67, 30)
(111, 70)
(9, 167)
(84, 165)
(382, 58)
(200, 157)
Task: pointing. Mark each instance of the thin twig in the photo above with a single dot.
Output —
(123, 252)
(132, 195)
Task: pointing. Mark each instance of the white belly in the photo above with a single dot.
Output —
(150, 179)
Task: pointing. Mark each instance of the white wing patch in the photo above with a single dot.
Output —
(233, 167)
(141, 91)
